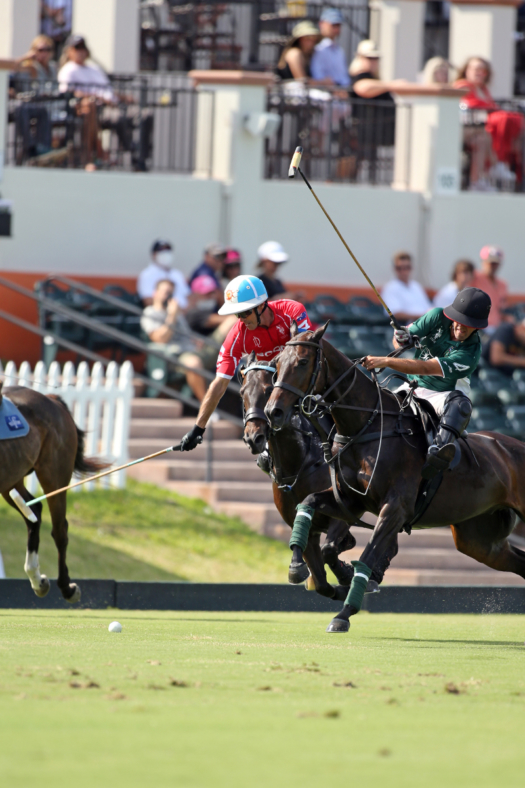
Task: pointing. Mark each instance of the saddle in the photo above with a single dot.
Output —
(12, 423)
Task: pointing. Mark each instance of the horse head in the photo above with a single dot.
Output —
(298, 374)
(255, 391)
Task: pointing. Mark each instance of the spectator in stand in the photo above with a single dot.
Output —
(203, 318)
(462, 277)
(232, 266)
(38, 63)
(161, 268)
(271, 256)
(499, 142)
(296, 57)
(168, 330)
(92, 87)
(404, 296)
(436, 72)
(212, 265)
(328, 60)
(487, 280)
(505, 350)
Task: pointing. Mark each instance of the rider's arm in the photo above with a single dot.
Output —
(211, 399)
(410, 366)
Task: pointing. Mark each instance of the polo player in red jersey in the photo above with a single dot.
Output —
(261, 328)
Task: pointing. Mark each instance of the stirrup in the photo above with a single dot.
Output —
(438, 460)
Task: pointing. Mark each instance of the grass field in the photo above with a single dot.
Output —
(225, 700)
(146, 533)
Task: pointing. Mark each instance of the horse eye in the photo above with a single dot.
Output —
(303, 362)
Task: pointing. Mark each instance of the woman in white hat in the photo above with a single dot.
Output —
(364, 70)
(296, 56)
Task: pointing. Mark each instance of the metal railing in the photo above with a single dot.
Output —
(137, 123)
(76, 318)
(245, 33)
(345, 140)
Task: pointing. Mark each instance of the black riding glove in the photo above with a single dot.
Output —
(192, 438)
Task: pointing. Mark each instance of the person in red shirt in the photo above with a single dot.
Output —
(261, 327)
(487, 280)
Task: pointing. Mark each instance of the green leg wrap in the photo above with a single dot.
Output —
(301, 526)
(359, 583)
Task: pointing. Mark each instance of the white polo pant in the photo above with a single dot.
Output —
(436, 398)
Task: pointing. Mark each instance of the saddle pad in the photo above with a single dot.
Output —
(12, 423)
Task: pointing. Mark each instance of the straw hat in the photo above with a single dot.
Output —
(305, 28)
(367, 48)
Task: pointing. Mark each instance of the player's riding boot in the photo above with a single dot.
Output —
(445, 450)
(264, 461)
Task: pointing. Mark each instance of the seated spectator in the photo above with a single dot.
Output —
(203, 318)
(212, 265)
(404, 296)
(38, 63)
(487, 280)
(506, 348)
(436, 72)
(161, 268)
(462, 276)
(232, 266)
(328, 60)
(500, 139)
(92, 87)
(271, 256)
(296, 57)
(167, 329)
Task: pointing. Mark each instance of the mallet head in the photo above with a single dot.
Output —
(296, 160)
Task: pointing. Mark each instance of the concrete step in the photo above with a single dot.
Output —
(147, 408)
(172, 430)
(429, 577)
(221, 492)
(186, 469)
(227, 450)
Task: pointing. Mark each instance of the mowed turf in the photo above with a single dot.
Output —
(224, 700)
(147, 533)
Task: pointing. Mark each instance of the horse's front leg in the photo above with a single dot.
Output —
(390, 521)
(314, 559)
(39, 583)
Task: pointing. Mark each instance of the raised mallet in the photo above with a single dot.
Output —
(30, 515)
(294, 167)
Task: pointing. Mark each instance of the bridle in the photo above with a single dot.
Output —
(254, 414)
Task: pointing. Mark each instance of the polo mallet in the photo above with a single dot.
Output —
(294, 167)
(30, 515)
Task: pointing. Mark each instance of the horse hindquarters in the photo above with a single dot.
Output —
(485, 538)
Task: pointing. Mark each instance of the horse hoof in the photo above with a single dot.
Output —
(297, 573)
(338, 625)
(75, 596)
(309, 584)
(45, 585)
(372, 587)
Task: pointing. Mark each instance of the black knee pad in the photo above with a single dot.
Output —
(460, 401)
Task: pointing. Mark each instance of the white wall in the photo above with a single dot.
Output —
(104, 223)
(19, 24)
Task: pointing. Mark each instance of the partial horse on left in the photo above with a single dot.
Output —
(54, 449)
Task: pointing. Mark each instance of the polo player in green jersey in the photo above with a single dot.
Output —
(448, 353)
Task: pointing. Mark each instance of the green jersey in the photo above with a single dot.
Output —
(458, 360)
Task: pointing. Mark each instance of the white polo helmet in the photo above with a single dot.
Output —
(243, 293)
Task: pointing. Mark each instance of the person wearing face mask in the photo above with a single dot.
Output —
(161, 268)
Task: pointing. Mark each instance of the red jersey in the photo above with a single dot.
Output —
(266, 342)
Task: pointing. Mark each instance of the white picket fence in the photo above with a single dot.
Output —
(100, 404)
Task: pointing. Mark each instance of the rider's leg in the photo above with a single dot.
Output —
(454, 420)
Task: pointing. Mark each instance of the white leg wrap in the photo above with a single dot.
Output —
(32, 570)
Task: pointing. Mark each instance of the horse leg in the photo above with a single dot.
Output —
(39, 583)
(485, 538)
(390, 521)
(315, 561)
(338, 540)
(57, 508)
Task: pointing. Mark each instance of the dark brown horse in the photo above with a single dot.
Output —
(481, 497)
(54, 449)
(298, 469)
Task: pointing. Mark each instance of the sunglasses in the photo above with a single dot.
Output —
(244, 314)
(44, 49)
(403, 267)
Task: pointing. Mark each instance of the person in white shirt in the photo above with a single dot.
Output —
(404, 296)
(328, 61)
(462, 277)
(160, 268)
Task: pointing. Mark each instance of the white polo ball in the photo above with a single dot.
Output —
(115, 627)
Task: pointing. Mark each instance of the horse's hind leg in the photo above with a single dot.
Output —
(485, 538)
(57, 507)
(315, 561)
(338, 540)
(39, 583)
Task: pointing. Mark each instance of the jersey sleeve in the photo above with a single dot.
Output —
(230, 353)
(423, 326)
(461, 363)
(297, 311)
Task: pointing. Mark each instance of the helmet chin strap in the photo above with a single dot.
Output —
(260, 314)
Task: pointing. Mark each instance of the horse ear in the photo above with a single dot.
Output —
(293, 329)
(318, 333)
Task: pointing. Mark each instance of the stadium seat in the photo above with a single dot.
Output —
(488, 418)
(516, 419)
(480, 397)
(361, 309)
(493, 380)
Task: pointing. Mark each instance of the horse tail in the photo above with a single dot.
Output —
(84, 466)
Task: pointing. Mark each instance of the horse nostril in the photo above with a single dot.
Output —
(276, 417)
(260, 442)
